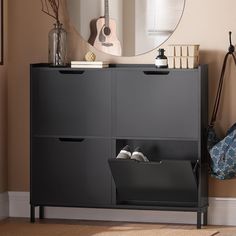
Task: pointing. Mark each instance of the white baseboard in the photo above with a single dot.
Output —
(19, 204)
(222, 211)
(4, 205)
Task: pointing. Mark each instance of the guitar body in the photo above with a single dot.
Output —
(104, 38)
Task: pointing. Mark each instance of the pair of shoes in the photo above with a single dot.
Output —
(137, 154)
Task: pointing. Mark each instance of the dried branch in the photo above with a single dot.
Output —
(54, 11)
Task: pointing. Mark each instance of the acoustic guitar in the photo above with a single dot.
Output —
(103, 34)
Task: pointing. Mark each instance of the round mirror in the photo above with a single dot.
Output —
(125, 27)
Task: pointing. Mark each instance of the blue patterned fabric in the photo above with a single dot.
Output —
(223, 154)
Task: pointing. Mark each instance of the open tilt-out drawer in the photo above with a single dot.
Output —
(163, 183)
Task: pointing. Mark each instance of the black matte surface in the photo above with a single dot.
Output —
(157, 105)
(70, 173)
(80, 118)
(71, 104)
(164, 181)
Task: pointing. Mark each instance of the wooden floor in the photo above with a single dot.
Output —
(9, 226)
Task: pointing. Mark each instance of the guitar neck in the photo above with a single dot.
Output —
(106, 7)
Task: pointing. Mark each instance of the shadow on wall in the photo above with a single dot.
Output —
(3, 130)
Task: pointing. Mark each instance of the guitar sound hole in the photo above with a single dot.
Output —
(107, 31)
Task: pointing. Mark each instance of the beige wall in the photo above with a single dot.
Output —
(3, 111)
(28, 29)
(204, 22)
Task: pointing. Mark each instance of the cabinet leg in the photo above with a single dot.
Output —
(41, 212)
(32, 214)
(199, 219)
(205, 218)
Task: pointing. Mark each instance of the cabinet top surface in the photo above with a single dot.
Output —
(115, 67)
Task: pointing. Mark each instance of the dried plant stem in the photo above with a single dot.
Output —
(55, 5)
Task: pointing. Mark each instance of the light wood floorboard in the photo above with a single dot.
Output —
(9, 226)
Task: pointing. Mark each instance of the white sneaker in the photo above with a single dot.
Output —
(125, 153)
(138, 155)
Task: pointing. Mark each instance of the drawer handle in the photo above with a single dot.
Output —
(156, 72)
(71, 72)
(75, 140)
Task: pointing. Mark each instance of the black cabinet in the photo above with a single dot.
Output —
(163, 183)
(68, 172)
(71, 104)
(82, 118)
(150, 105)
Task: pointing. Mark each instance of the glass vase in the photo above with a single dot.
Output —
(57, 45)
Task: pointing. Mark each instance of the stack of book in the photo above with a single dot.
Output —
(89, 64)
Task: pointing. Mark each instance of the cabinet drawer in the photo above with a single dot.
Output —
(70, 172)
(70, 102)
(168, 182)
(157, 105)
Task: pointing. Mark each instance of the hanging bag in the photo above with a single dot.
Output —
(222, 151)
